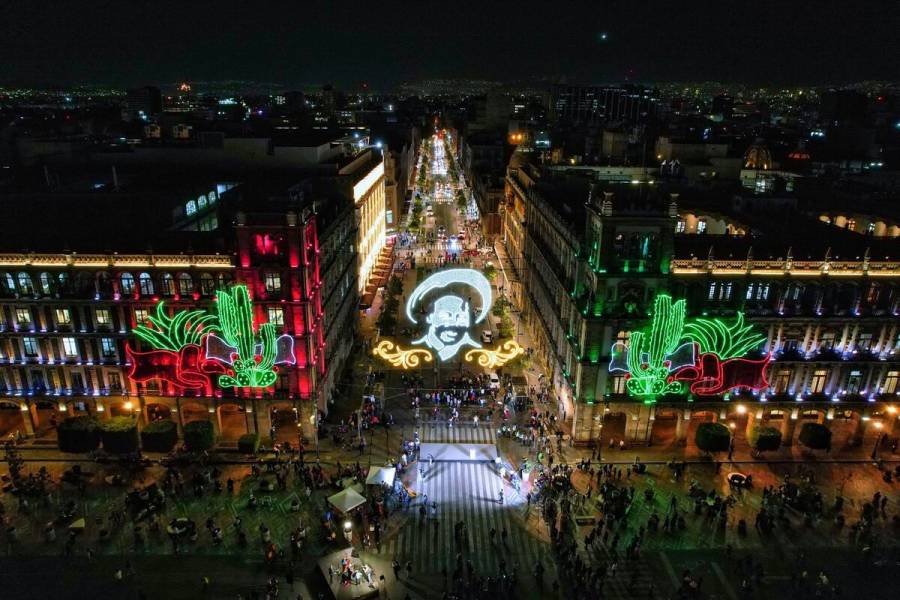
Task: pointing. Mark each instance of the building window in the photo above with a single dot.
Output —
(207, 284)
(273, 282)
(46, 285)
(679, 226)
(872, 294)
(185, 284)
(190, 208)
(70, 346)
(104, 317)
(827, 341)
(701, 226)
(127, 282)
(168, 284)
(9, 283)
(23, 316)
(115, 381)
(276, 315)
(818, 381)
(618, 384)
(108, 347)
(30, 346)
(622, 337)
(854, 382)
(720, 291)
(146, 283)
(201, 201)
(851, 224)
(864, 343)
(63, 316)
(782, 381)
(758, 291)
(25, 285)
(890, 382)
(794, 291)
(141, 315)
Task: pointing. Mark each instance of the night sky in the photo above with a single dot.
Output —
(385, 42)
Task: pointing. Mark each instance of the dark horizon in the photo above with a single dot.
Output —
(141, 42)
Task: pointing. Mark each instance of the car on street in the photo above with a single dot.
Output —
(487, 336)
(495, 381)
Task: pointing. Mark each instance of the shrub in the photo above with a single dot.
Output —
(119, 435)
(78, 434)
(248, 443)
(712, 437)
(815, 436)
(159, 436)
(763, 439)
(199, 436)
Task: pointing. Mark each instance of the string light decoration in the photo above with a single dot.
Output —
(398, 357)
(491, 359)
(707, 354)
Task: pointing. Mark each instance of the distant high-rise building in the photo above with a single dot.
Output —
(143, 102)
(590, 104)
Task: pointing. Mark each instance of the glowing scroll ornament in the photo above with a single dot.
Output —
(491, 359)
(398, 357)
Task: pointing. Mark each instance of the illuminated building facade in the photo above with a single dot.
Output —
(67, 340)
(595, 258)
(368, 197)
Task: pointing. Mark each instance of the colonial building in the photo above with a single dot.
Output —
(594, 257)
(95, 262)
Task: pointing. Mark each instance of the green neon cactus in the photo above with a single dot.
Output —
(712, 335)
(647, 351)
(174, 333)
(236, 319)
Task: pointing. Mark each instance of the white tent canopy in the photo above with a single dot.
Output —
(346, 500)
(381, 476)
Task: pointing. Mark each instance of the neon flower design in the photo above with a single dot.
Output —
(250, 354)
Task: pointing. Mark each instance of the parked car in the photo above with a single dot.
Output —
(487, 336)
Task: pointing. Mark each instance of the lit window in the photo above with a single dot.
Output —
(104, 317)
(23, 316)
(201, 201)
(30, 346)
(185, 284)
(720, 291)
(827, 341)
(851, 224)
(9, 283)
(190, 208)
(141, 315)
(127, 283)
(701, 226)
(46, 286)
(818, 381)
(108, 347)
(276, 315)
(782, 380)
(168, 284)
(207, 284)
(864, 342)
(70, 346)
(213, 196)
(758, 291)
(273, 282)
(618, 384)
(25, 285)
(146, 283)
(890, 382)
(679, 226)
(63, 316)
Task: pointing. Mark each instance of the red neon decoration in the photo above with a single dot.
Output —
(185, 369)
(711, 377)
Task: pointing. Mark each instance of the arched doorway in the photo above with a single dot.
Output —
(122, 408)
(614, 427)
(12, 419)
(810, 415)
(697, 417)
(193, 411)
(665, 426)
(232, 421)
(739, 421)
(844, 427)
(158, 412)
(46, 417)
(283, 417)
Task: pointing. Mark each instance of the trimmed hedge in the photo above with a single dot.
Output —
(119, 435)
(248, 443)
(712, 437)
(764, 439)
(78, 434)
(199, 436)
(815, 436)
(159, 436)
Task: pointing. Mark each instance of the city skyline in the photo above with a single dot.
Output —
(384, 45)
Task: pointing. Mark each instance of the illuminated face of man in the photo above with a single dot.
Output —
(448, 326)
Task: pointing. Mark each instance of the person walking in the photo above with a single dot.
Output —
(397, 570)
